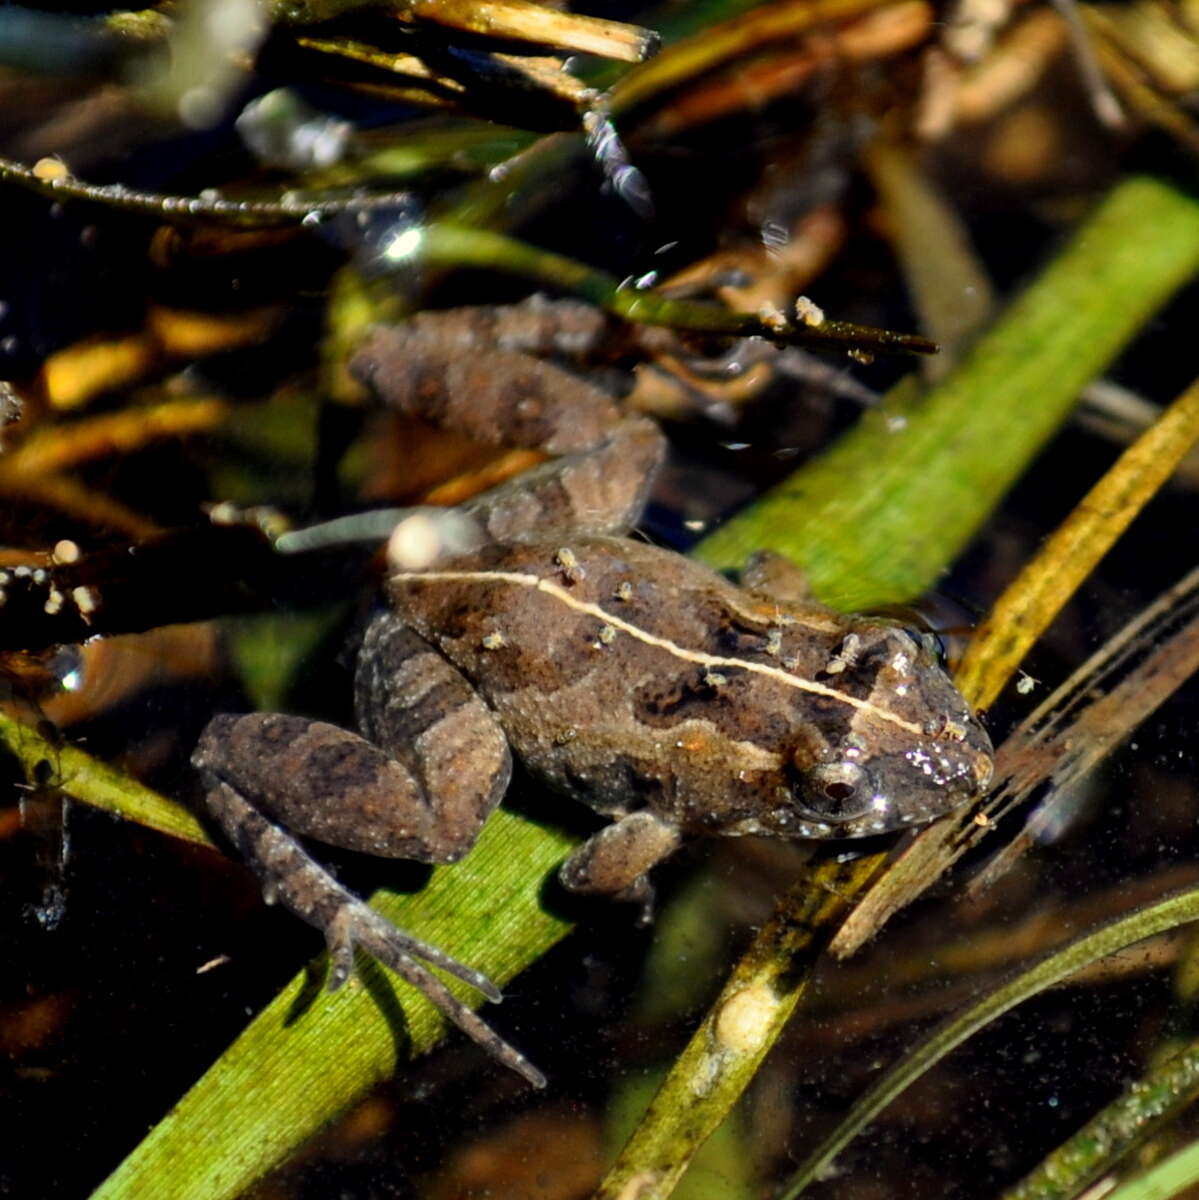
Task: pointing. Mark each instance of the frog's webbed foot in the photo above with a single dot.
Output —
(271, 776)
(616, 861)
(305, 888)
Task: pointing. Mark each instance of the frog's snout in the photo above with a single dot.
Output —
(859, 796)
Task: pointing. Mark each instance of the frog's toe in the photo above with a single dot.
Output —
(641, 893)
(392, 945)
(341, 950)
(355, 924)
(399, 951)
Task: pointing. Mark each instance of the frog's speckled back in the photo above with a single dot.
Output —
(632, 678)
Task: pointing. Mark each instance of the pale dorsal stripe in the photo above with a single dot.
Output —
(712, 661)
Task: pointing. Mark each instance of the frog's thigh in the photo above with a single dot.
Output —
(427, 718)
(615, 860)
(427, 801)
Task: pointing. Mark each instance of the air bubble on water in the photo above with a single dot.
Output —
(49, 911)
(282, 130)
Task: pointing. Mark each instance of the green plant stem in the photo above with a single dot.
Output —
(289, 209)
(1099, 1145)
(76, 774)
(309, 1054)
(1169, 1178)
(875, 519)
(1169, 913)
(726, 1050)
(444, 244)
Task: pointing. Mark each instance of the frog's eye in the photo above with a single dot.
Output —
(838, 791)
(931, 642)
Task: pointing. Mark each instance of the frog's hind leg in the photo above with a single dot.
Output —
(425, 716)
(603, 460)
(422, 794)
(307, 889)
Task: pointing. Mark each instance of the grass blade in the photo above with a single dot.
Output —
(876, 519)
(1156, 918)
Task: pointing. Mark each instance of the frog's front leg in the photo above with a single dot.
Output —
(271, 777)
(617, 860)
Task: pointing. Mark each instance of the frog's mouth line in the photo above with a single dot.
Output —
(698, 657)
(806, 824)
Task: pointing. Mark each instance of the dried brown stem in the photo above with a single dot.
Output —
(518, 20)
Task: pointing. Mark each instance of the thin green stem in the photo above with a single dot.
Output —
(728, 1047)
(1169, 1178)
(76, 774)
(459, 246)
(1166, 914)
(1098, 1146)
(875, 519)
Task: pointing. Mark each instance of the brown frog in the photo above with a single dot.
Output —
(622, 675)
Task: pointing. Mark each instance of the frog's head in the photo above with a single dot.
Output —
(901, 747)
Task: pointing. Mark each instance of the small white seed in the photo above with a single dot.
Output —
(85, 600)
(808, 312)
(569, 562)
(744, 1017)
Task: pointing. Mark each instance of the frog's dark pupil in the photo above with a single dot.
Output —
(839, 792)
